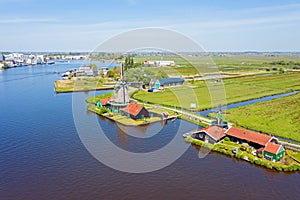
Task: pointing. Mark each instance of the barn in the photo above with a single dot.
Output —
(170, 82)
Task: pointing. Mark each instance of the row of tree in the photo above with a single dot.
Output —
(129, 63)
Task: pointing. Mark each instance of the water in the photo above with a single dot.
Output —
(42, 156)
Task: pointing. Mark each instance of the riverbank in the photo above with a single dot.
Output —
(80, 85)
(124, 120)
(287, 164)
(154, 112)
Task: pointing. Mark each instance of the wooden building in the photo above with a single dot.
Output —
(171, 82)
(211, 134)
(135, 111)
(273, 152)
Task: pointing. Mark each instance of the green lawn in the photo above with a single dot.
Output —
(279, 117)
(236, 90)
(295, 155)
(80, 84)
(225, 63)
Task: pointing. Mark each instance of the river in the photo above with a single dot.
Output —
(42, 155)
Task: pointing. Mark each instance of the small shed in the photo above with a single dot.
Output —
(273, 152)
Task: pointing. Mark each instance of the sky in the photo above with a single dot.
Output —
(217, 25)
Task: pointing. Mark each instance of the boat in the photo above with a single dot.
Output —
(50, 62)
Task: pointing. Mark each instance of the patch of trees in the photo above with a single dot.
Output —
(5, 66)
(114, 72)
(138, 75)
(285, 63)
(129, 63)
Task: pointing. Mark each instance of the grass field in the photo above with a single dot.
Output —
(187, 65)
(236, 89)
(83, 84)
(279, 117)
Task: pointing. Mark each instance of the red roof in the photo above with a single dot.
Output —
(133, 109)
(105, 101)
(215, 132)
(272, 148)
(248, 135)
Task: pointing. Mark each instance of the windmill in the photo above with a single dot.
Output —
(121, 97)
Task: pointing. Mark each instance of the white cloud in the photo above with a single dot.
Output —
(270, 8)
(26, 20)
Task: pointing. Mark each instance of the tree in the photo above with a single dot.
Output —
(5, 66)
(281, 70)
(138, 75)
(110, 73)
(129, 63)
(94, 66)
(161, 74)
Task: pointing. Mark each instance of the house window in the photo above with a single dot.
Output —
(268, 157)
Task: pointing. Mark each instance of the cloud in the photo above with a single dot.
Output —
(26, 20)
(270, 8)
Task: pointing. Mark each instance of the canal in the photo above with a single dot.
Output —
(42, 156)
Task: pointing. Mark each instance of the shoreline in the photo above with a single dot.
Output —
(132, 123)
(225, 149)
(83, 90)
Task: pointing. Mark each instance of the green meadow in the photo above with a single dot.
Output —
(231, 90)
(279, 117)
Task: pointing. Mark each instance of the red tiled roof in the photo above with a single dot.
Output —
(215, 132)
(133, 109)
(105, 101)
(248, 135)
(272, 148)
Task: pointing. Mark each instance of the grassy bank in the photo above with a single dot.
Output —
(237, 89)
(95, 99)
(280, 117)
(80, 84)
(123, 119)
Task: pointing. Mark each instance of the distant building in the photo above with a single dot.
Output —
(154, 83)
(136, 84)
(160, 63)
(171, 82)
(86, 71)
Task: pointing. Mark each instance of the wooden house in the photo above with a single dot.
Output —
(211, 134)
(135, 111)
(273, 152)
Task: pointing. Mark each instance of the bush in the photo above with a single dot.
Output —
(238, 156)
(103, 110)
(278, 168)
(258, 162)
(260, 155)
(226, 139)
